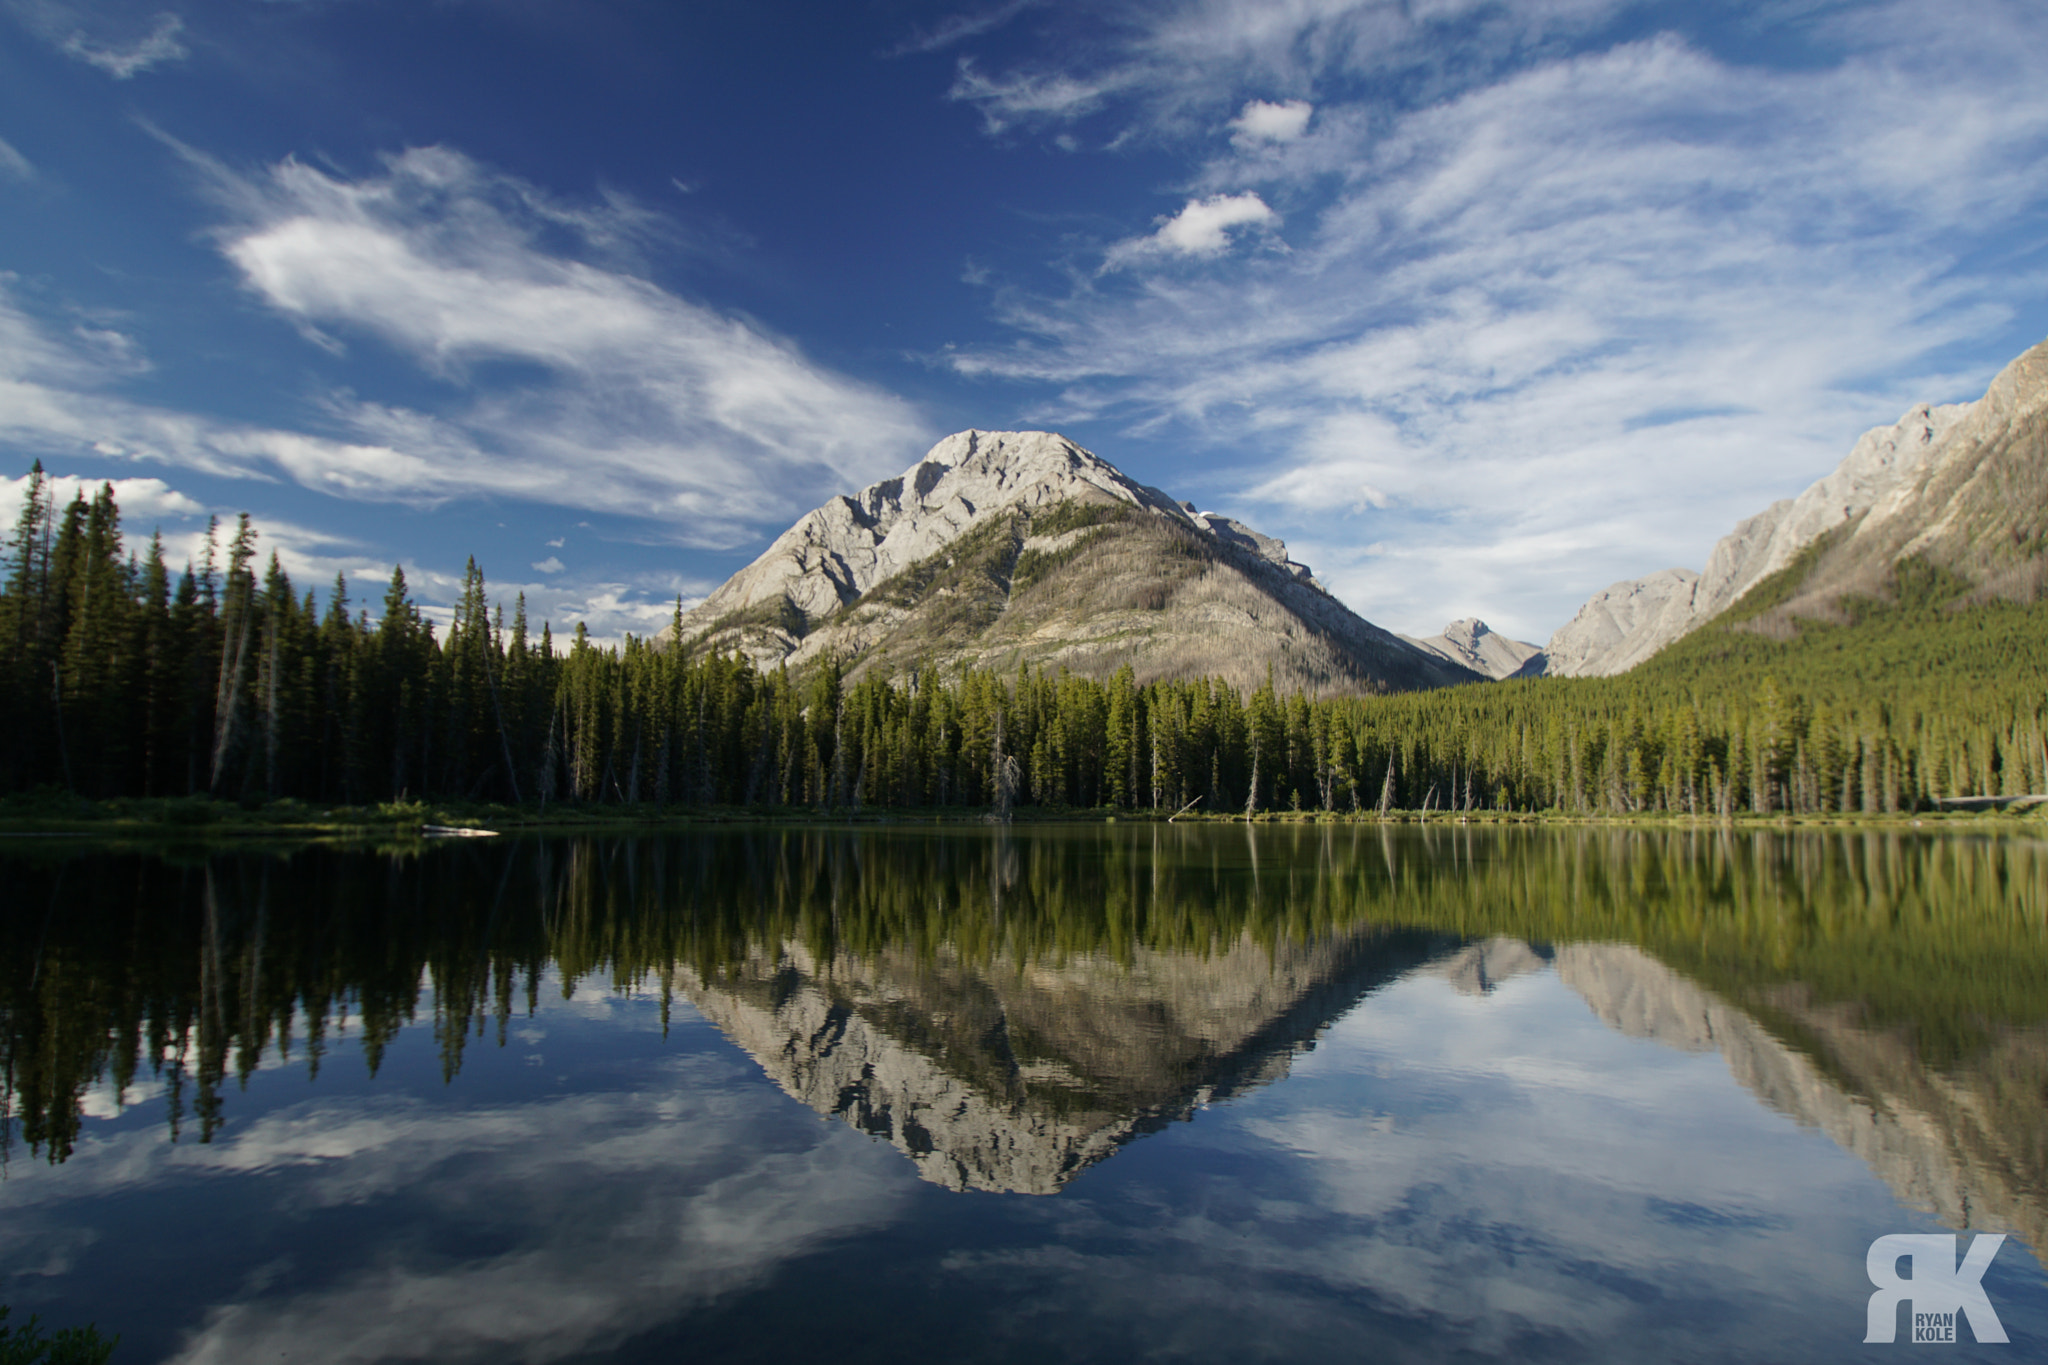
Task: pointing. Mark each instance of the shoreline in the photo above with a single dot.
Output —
(190, 819)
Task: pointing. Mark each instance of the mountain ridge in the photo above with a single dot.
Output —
(1022, 549)
(1963, 485)
(1473, 644)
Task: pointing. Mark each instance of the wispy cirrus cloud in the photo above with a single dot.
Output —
(1167, 69)
(13, 163)
(566, 378)
(154, 48)
(1557, 314)
(646, 403)
(122, 39)
(58, 397)
(958, 28)
(1032, 99)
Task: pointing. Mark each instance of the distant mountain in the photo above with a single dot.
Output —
(1471, 644)
(1963, 487)
(1001, 549)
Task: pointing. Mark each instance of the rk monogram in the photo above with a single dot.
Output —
(1940, 1289)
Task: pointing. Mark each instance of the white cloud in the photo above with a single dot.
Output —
(1261, 122)
(958, 28)
(1030, 98)
(646, 405)
(1570, 321)
(1174, 67)
(158, 46)
(651, 405)
(552, 564)
(54, 399)
(1202, 228)
(14, 163)
(143, 502)
(120, 37)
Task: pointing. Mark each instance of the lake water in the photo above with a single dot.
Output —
(1048, 1093)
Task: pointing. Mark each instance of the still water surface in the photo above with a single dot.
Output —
(1063, 1093)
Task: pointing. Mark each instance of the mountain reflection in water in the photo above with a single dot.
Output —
(1008, 1009)
(1014, 1075)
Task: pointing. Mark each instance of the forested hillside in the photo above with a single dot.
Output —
(124, 678)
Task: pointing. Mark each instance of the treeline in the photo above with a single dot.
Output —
(124, 679)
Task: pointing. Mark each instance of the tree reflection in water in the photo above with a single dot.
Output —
(1008, 1007)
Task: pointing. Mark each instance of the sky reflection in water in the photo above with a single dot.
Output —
(1400, 1143)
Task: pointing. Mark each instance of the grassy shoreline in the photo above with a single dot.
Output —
(57, 815)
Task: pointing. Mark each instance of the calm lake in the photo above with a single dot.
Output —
(1048, 1093)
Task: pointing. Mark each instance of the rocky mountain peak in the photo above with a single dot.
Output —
(1467, 632)
(1011, 549)
(837, 553)
(1472, 644)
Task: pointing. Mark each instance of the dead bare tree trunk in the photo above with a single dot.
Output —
(498, 712)
(228, 694)
(1005, 773)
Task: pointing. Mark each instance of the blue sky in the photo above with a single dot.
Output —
(1481, 306)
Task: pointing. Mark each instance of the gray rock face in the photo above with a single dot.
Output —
(1236, 533)
(1009, 550)
(1473, 645)
(1621, 621)
(1974, 504)
(836, 553)
(1902, 489)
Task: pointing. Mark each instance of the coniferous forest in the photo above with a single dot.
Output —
(126, 678)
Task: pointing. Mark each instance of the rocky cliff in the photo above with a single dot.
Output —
(1001, 549)
(1965, 485)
